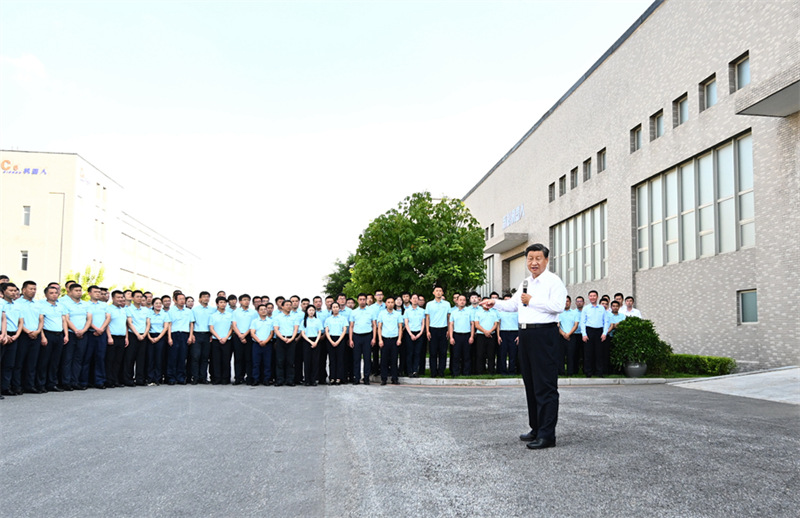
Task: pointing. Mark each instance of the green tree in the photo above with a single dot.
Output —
(85, 279)
(421, 243)
(336, 281)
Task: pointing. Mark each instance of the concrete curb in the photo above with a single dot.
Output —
(727, 376)
(517, 382)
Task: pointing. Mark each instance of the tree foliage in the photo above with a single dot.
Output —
(420, 243)
(336, 281)
(85, 279)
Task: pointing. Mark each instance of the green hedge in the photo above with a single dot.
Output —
(695, 364)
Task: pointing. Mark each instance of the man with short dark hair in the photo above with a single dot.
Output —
(568, 322)
(24, 376)
(487, 322)
(508, 339)
(462, 335)
(79, 320)
(262, 331)
(285, 327)
(243, 316)
(362, 338)
(181, 332)
(539, 300)
(200, 349)
(437, 313)
(117, 339)
(136, 350)
(96, 340)
(594, 328)
(10, 330)
(629, 310)
(220, 325)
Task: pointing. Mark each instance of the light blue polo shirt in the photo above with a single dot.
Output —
(77, 312)
(139, 317)
(53, 316)
(323, 315)
(414, 318)
(509, 320)
(13, 314)
(312, 327)
(362, 320)
(462, 320)
(614, 319)
(157, 321)
(376, 309)
(438, 312)
(567, 319)
(390, 323)
(244, 318)
(337, 325)
(181, 319)
(119, 320)
(99, 311)
(222, 322)
(201, 316)
(285, 324)
(486, 319)
(262, 327)
(30, 311)
(345, 312)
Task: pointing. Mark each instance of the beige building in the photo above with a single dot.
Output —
(669, 171)
(59, 213)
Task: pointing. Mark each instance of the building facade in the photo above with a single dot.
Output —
(60, 214)
(669, 171)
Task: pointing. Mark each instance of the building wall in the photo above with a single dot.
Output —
(683, 42)
(78, 219)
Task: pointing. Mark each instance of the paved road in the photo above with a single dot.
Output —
(653, 450)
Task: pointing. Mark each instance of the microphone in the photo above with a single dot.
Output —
(525, 288)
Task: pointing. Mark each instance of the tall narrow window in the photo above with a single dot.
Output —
(573, 178)
(656, 125)
(551, 191)
(708, 93)
(491, 230)
(562, 185)
(747, 230)
(24, 260)
(26, 215)
(587, 170)
(748, 307)
(739, 72)
(580, 246)
(636, 138)
(601, 160)
(680, 110)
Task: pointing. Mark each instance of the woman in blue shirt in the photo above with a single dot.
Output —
(159, 326)
(311, 333)
(336, 327)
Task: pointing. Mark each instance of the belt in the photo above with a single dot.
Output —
(536, 326)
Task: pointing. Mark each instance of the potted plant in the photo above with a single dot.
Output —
(636, 345)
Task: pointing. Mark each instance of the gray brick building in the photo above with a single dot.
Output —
(669, 171)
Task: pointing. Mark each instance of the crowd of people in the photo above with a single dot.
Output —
(131, 338)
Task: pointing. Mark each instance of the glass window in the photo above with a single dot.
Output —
(562, 185)
(745, 152)
(710, 93)
(748, 307)
(680, 110)
(579, 246)
(551, 191)
(24, 260)
(26, 215)
(636, 138)
(656, 125)
(743, 73)
(587, 170)
(573, 178)
(601, 160)
(705, 175)
(725, 176)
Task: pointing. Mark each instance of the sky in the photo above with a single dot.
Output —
(265, 136)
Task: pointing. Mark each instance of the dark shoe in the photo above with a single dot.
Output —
(540, 444)
(314, 384)
(395, 382)
(383, 382)
(193, 382)
(101, 387)
(7, 392)
(171, 383)
(278, 384)
(55, 388)
(130, 384)
(290, 384)
(67, 388)
(32, 391)
(528, 437)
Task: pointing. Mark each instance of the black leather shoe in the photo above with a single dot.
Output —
(8, 392)
(540, 444)
(55, 388)
(528, 437)
(383, 382)
(101, 387)
(290, 384)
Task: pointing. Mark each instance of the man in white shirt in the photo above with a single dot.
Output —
(539, 300)
(629, 310)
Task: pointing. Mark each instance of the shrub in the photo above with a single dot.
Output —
(695, 364)
(636, 340)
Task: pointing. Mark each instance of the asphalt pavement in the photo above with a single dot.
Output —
(623, 450)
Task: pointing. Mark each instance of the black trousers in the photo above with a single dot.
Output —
(460, 361)
(24, 376)
(242, 352)
(389, 356)
(538, 359)
(298, 359)
(114, 356)
(568, 355)
(48, 353)
(438, 348)
(199, 356)
(311, 361)
(322, 372)
(284, 364)
(375, 353)
(592, 352)
(221, 358)
(485, 353)
(129, 358)
(361, 350)
(336, 356)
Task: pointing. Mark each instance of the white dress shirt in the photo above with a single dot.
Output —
(548, 298)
